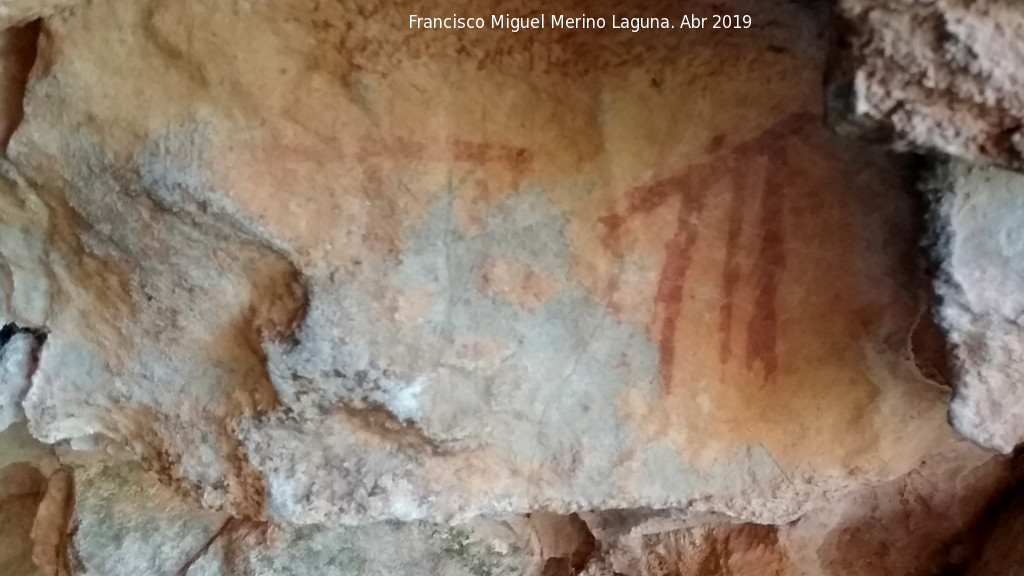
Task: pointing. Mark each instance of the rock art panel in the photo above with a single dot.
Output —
(358, 273)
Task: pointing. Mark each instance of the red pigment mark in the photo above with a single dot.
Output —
(716, 144)
(691, 188)
(731, 272)
(514, 158)
(678, 257)
(763, 328)
(393, 149)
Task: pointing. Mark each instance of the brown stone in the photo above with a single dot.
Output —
(997, 550)
(51, 524)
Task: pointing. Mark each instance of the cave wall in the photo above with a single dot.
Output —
(594, 271)
(287, 285)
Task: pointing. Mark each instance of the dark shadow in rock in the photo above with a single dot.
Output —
(18, 48)
(21, 490)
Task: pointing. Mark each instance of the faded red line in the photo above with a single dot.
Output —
(731, 271)
(763, 328)
(692, 187)
(671, 284)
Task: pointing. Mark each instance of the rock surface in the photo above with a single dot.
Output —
(321, 280)
(15, 13)
(25, 465)
(126, 523)
(917, 524)
(360, 299)
(17, 359)
(998, 536)
(16, 514)
(978, 244)
(941, 75)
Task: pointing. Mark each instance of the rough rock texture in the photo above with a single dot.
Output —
(979, 246)
(359, 299)
(51, 525)
(941, 75)
(16, 366)
(998, 536)
(18, 46)
(19, 498)
(126, 523)
(564, 543)
(20, 12)
(918, 524)
(25, 465)
(354, 272)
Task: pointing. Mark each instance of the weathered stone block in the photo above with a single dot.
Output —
(939, 75)
(979, 245)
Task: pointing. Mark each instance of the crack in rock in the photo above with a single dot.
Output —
(18, 50)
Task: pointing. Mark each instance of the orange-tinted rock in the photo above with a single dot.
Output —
(923, 522)
(354, 271)
(51, 525)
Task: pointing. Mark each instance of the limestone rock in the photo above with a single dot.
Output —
(940, 75)
(17, 362)
(18, 51)
(920, 523)
(356, 272)
(128, 524)
(978, 245)
(17, 446)
(19, 12)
